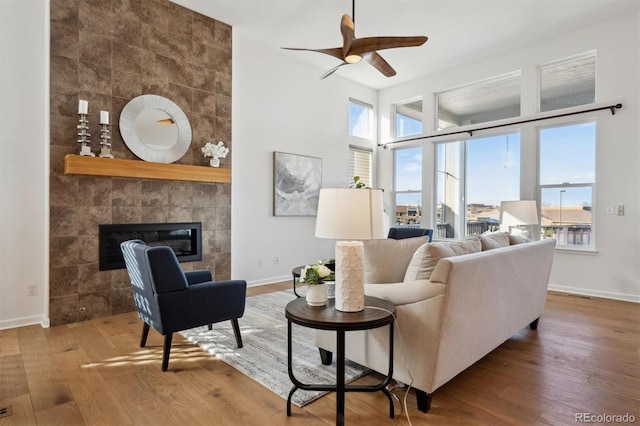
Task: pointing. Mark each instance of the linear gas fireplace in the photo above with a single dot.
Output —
(184, 238)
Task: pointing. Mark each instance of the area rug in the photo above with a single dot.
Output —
(264, 355)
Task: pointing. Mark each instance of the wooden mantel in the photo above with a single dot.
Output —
(97, 166)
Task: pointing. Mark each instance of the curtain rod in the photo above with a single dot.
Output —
(611, 108)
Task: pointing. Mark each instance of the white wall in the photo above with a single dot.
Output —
(279, 104)
(613, 271)
(24, 162)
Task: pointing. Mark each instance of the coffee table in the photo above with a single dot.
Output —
(377, 313)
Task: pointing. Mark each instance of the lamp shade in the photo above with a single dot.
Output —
(519, 212)
(350, 214)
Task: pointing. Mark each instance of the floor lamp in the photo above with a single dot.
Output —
(518, 213)
(350, 215)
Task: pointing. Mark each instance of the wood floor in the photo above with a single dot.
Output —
(584, 358)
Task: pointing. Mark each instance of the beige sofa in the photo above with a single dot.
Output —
(452, 308)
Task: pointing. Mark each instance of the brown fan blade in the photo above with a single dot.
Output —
(380, 64)
(348, 29)
(332, 70)
(336, 52)
(371, 44)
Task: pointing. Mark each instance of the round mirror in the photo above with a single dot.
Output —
(155, 129)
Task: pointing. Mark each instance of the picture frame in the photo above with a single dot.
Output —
(297, 180)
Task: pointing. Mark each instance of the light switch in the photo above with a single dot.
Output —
(611, 210)
(620, 210)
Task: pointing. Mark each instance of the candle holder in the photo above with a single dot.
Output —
(84, 135)
(105, 141)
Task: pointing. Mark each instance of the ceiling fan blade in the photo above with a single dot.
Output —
(379, 63)
(371, 44)
(348, 29)
(332, 70)
(336, 52)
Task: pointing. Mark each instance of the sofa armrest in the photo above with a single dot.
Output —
(405, 293)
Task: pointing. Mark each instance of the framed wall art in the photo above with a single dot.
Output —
(296, 184)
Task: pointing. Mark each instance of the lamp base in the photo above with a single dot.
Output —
(349, 276)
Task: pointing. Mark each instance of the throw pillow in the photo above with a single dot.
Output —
(494, 240)
(427, 256)
(385, 261)
(518, 239)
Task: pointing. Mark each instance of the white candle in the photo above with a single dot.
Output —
(83, 107)
(104, 117)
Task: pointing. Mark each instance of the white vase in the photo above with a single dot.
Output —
(214, 162)
(316, 295)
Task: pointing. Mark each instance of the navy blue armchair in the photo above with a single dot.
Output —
(400, 233)
(169, 299)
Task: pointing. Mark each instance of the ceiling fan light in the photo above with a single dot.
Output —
(353, 59)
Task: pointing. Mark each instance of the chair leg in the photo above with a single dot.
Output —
(145, 333)
(167, 349)
(424, 400)
(534, 324)
(236, 332)
(326, 356)
(210, 327)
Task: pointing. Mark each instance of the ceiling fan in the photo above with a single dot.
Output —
(354, 49)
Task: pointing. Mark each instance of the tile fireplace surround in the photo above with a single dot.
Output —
(109, 52)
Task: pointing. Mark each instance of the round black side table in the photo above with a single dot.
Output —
(377, 313)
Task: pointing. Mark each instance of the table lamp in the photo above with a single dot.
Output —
(353, 215)
(518, 213)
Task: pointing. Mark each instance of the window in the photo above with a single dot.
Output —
(489, 100)
(468, 198)
(408, 186)
(408, 119)
(360, 119)
(360, 164)
(568, 83)
(567, 178)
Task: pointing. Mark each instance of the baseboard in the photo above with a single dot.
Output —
(24, 322)
(596, 293)
(271, 280)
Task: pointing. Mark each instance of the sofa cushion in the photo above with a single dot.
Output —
(385, 261)
(494, 240)
(427, 256)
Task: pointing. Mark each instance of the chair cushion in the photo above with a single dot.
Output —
(385, 261)
(427, 256)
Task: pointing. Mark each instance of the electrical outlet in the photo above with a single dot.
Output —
(32, 290)
(611, 210)
(276, 260)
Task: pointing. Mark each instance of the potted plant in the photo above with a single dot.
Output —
(215, 151)
(315, 277)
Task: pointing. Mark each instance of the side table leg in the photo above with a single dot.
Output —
(290, 366)
(340, 386)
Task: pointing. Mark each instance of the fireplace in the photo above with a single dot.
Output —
(184, 238)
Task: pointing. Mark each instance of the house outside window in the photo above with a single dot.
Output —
(567, 158)
(360, 119)
(408, 186)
